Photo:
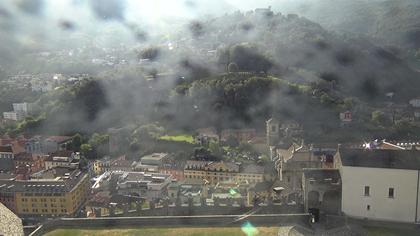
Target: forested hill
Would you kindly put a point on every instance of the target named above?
(263, 64)
(289, 44)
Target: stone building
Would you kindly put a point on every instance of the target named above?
(322, 190)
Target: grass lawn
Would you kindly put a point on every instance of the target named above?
(379, 231)
(228, 231)
(178, 138)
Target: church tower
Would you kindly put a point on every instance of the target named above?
(273, 135)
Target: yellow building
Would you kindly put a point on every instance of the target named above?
(102, 165)
(56, 192)
(215, 172)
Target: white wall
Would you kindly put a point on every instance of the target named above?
(401, 208)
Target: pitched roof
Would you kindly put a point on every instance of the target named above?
(382, 158)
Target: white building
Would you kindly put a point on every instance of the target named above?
(415, 102)
(41, 86)
(150, 186)
(11, 115)
(380, 184)
(62, 159)
(24, 107)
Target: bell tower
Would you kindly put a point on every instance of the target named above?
(272, 130)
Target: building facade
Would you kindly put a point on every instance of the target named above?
(215, 172)
(59, 192)
(6, 158)
(380, 184)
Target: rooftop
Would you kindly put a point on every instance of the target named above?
(381, 158)
(56, 180)
(153, 157)
(252, 168)
(6, 149)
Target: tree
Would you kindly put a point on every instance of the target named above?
(249, 58)
(87, 151)
(379, 118)
(148, 132)
(100, 144)
(151, 53)
(83, 163)
(216, 149)
(76, 142)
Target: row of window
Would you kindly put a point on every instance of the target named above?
(391, 192)
(44, 200)
(43, 194)
(43, 205)
(26, 210)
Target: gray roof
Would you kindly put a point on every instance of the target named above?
(395, 159)
(6, 149)
(252, 168)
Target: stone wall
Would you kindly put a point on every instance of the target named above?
(10, 224)
(174, 221)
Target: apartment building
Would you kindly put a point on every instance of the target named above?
(58, 191)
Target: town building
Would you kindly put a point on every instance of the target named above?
(380, 184)
(173, 167)
(62, 159)
(107, 164)
(291, 161)
(55, 143)
(7, 194)
(242, 135)
(346, 118)
(154, 163)
(20, 111)
(55, 192)
(278, 133)
(322, 191)
(98, 204)
(11, 115)
(155, 159)
(24, 108)
(215, 172)
(151, 186)
(34, 145)
(6, 158)
(103, 165)
(34, 161)
(121, 164)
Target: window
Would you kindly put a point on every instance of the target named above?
(367, 191)
(368, 207)
(273, 128)
(391, 193)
